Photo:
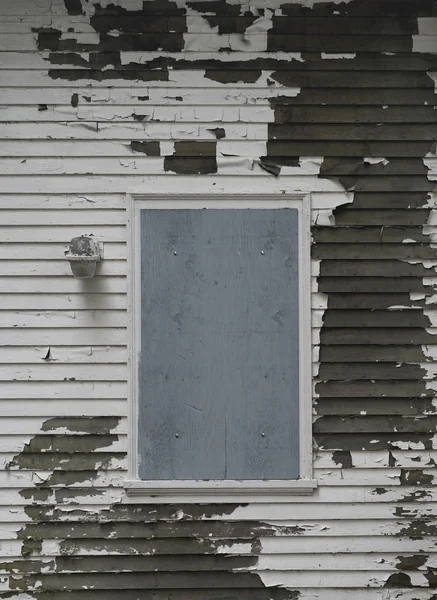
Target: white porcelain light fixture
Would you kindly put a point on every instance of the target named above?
(83, 254)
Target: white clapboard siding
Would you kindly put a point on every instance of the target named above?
(281, 514)
(74, 301)
(50, 7)
(182, 78)
(63, 319)
(132, 130)
(226, 114)
(47, 202)
(67, 168)
(86, 355)
(145, 95)
(102, 497)
(299, 579)
(330, 479)
(133, 164)
(409, 459)
(393, 496)
(113, 443)
(64, 389)
(108, 148)
(193, 41)
(49, 408)
(285, 531)
(80, 23)
(270, 546)
(161, 184)
(54, 372)
(324, 562)
(56, 268)
(63, 201)
(64, 217)
(138, 164)
(53, 251)
(61, 233)
(66, 285)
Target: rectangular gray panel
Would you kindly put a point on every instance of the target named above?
(219, 361)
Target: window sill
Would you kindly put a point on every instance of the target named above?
(190, 491)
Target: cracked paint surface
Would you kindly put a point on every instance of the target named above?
(333, 98)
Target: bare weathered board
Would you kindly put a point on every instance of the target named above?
(219, 344)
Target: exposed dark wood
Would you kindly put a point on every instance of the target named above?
(144, 564)
(365, 371)
(371, 268)
(373, 406)
(343, 43)
(180, 594)
(369, 389)
(370, 354)
(401, 183)
(70, 443)
(358, 97)
(146, 581)
(371, 284)
(365, 424)
(372, 301)
(308, 25)
(370, 441)
(376, 216)
(359, 148)
(183, 530)
(375, 336)
(355, 114)
(363, 235)
(375, 318)
(173, 545)
(386, 166)
(389, 200)
(351, 79)
(343, 132)
(74, 463)
(375, 252)
(322, 26)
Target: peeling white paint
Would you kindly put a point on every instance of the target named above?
(334, 56)
(374, 160)
(400, 307)
(240, 173)
(433, 74)
(237, 548)
(208, 39)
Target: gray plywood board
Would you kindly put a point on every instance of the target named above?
(219, 336)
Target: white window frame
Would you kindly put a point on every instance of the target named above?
(220, 490)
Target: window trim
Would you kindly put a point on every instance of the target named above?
(224, 490)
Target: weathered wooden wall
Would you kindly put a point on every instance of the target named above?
(334, 98)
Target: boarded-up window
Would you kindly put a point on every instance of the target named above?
(219, 367)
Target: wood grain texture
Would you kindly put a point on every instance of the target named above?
(219, 364)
